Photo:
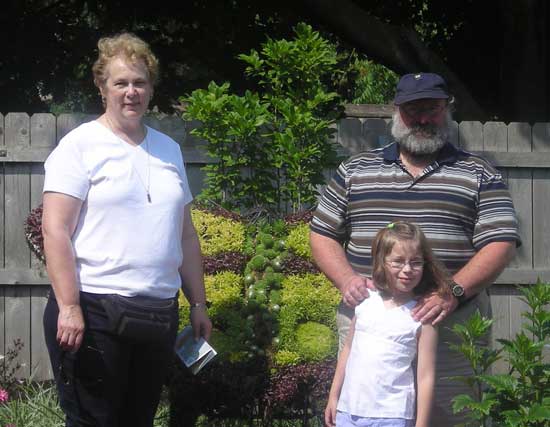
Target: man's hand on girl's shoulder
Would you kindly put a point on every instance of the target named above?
(434, 308)
(356, 289)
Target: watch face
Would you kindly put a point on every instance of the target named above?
(458, 290)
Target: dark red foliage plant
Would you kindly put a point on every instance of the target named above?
(300, 388)
(33, 232)
(294, 264)
(225, 261)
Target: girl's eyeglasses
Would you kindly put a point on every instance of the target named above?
(415, 265)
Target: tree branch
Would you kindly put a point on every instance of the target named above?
(396, 47)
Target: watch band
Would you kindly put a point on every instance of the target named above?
(458, 292)
(198, 305)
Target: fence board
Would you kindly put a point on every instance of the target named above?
(495, 136)
(541, 199)
(375, 134)
(350, 135)
(500, 304)
(43, 134)
(17, 324)
(520, 184)
(17, 193)
(470, 136)
(40, 367)
(67, 122)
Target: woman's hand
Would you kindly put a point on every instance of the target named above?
(70, 327)
(202, 326)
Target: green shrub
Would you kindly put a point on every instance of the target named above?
(315, 342)
(273, 146)
(311, 297)
(298, 241)
(218, 234)
(308, 298)
(521, 397)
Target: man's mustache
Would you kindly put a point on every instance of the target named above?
(426, 129)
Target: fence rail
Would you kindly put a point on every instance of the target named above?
(519, 150)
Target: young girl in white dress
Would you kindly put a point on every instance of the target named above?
(374, 384)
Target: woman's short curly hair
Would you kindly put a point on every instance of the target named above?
(128, 46)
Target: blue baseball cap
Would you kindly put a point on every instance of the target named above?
(420, 86)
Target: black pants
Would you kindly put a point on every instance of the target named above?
(109, 381)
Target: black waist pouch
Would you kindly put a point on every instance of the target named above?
(140, 318)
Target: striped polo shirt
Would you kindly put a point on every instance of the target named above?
(460, 201)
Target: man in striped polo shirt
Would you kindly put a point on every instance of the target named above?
(458, 199)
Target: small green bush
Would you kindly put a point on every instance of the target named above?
(218, 234)
(315, 342)
(307, 298)
(310, 297)
(521, 397)
(298, 241)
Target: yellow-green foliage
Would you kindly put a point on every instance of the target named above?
(218, 234)
(315, 342)
(310, 297)
(286, 357)
(298, 241)
(307, 298)
(223, 292)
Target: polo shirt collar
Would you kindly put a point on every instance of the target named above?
(447, 154)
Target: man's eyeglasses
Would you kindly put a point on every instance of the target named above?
(415, 264)
(416, 111)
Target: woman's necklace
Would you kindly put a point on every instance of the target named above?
(147, 187)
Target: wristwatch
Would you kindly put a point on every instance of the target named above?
(458, 292)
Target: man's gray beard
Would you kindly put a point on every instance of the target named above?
(417, 145)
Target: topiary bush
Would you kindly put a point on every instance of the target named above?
(268, 324)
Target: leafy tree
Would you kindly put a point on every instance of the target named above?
(272, 146)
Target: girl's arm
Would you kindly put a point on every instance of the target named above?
(339, 374)
(427, 350)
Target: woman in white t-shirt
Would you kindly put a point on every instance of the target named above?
(119, 244)
(374, 383)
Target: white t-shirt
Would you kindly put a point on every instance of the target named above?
(123, 243)
(379, 380)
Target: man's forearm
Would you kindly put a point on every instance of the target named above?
(482, 270)
(330, 257)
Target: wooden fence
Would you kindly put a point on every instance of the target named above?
(520, 150)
